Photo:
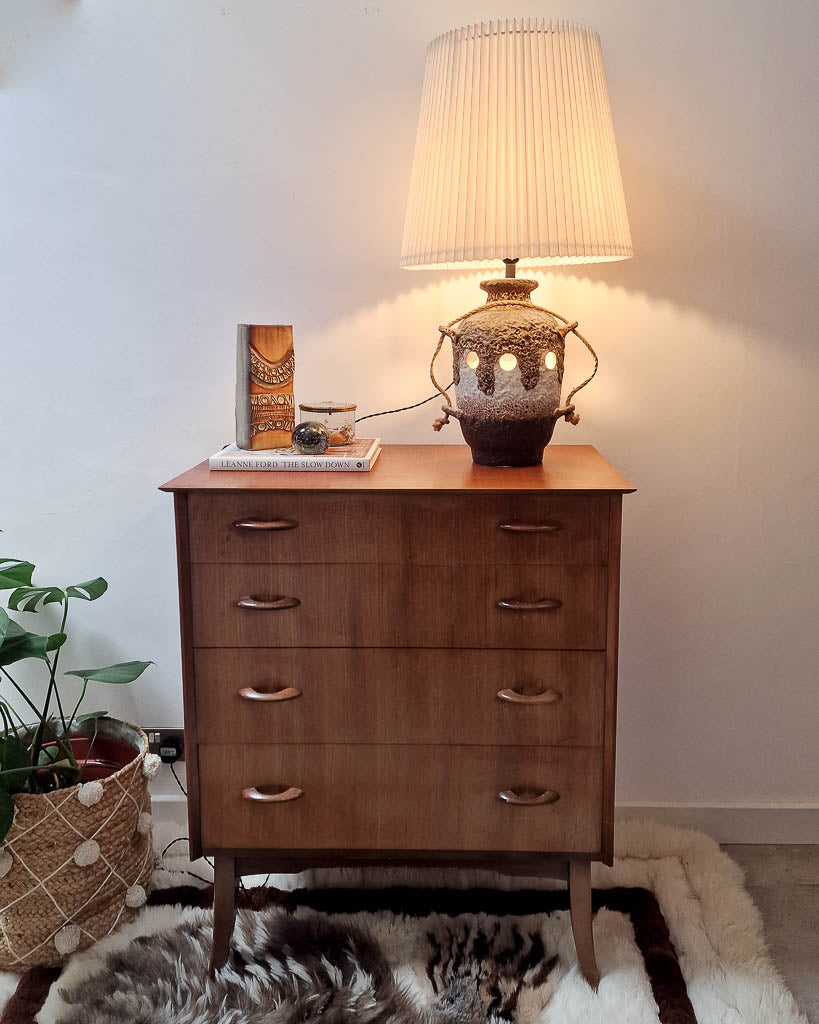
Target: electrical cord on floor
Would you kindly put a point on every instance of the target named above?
(179, 839)
(404, 408)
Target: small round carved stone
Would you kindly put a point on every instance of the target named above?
(311, 438)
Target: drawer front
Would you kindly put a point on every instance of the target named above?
(414, 529)
(398, 606)
(400, 798)
(376, 695)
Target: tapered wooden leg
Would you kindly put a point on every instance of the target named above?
(224, 909)
(581, 911)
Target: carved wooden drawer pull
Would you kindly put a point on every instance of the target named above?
(548, 526)
(528, 799)
(265, 524)
(275, 604)
(514, 604)
(287, 693)
(283, 797)
(544, 697)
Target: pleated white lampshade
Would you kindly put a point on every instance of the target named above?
(515, 154)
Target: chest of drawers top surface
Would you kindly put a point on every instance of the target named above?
(419, 467)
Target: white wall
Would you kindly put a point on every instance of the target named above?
(172, 167)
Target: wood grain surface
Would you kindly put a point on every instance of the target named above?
(379, 695)
(428, 467)
(408, 529)
(400, 797)
(399, 606)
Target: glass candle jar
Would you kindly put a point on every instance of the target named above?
(338, 417)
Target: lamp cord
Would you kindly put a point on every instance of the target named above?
(404, 408)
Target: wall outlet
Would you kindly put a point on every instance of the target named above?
(158, 738)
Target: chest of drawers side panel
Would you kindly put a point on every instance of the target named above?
(180, 501)
(612, 642)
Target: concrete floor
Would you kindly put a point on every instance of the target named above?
(784, 884)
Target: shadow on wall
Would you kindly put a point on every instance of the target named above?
(704, 253)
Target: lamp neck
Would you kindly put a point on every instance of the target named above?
(511, 266)
(502, 289)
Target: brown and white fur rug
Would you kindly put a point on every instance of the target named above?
(678, 940)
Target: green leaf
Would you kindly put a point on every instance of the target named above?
(88, 591)
(14, 573)
(19, 644)
(87, 717)
(126, 672)
(14, 758)
(4, 624)
(55, 640)
(26, 599)
(6, 813)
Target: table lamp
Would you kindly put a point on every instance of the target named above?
(515, 161)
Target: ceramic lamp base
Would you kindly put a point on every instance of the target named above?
(513, 442)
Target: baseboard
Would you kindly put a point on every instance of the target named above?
(735, 823)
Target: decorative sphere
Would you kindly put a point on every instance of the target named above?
(311, 438)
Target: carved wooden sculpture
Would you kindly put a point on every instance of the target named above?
(265, 366)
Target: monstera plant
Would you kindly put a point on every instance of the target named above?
(44, 750)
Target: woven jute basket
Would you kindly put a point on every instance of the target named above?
(77, 862)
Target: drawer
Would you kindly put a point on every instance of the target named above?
(380, 695)
(412, 529)
(401, 798)
(398, 606)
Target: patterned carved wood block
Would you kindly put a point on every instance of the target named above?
(265, 367)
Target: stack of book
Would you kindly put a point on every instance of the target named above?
(358, 457)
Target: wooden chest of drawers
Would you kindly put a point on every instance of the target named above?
(412, 665)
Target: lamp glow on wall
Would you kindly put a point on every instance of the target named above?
(515, 160)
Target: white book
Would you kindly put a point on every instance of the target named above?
(358, 457)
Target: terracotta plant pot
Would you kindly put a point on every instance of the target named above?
(507, 363)
(98, 757)
(77, 862)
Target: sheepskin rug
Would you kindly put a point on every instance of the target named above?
(307, 963)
